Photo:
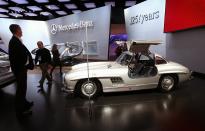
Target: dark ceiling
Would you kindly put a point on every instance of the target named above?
(49, 9)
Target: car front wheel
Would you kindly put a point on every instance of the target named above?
(89, 89)
(167, 83)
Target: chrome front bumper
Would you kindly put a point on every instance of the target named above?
(64, 88)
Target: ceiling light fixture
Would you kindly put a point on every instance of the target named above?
(30, 14)
(45, 13)
(61, 12)
(63, 0)
(52, 7)
(42, 1)
(110, 3)
(3, 2)
(16, 9)
(16, 15)
(130, 3)
(20, 1)
(76, 11)
(71, 6)
(3, 10)
(1, 15)
(34, 8)
(89, 5)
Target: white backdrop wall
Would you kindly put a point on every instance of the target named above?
(33, 31)
(188, 48)
(99, 32)
(185, 47)
(145, 21)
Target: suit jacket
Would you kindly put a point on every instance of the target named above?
(18, 56)
(43, 56)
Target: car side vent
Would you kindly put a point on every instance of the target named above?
(116, 80)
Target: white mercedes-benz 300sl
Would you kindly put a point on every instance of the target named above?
(6, 75)
(135, 69)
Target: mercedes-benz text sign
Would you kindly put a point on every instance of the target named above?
(74, 26)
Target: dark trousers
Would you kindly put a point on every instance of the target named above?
(21, 81)
(54, 66)
(45, 74)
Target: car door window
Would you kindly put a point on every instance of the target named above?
(124, 59)
(144, 67)
(147, 59)
(160, 60)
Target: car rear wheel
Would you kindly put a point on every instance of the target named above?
(167, 83)
(91, 88)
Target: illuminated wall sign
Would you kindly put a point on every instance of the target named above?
(141, 18)
(145, 21)
(74, 26)
(184, 14)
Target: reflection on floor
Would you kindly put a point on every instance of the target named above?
(181, 110)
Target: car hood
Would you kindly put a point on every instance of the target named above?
(96, 69)
(95, 65)
(4, 63)
(172, 67)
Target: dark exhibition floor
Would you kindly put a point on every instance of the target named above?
(150, 110)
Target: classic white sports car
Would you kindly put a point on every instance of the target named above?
(67, 51)
(6, 76)
(3, 56)
(135, 69)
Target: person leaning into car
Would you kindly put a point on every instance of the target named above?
(43, 56)
(56, 59)
(20, 60)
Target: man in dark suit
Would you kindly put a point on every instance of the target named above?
(20, 60)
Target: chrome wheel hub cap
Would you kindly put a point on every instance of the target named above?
(167, 83)
(89, 89)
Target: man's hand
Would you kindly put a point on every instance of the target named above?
(30, 66)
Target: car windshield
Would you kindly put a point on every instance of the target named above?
(2, 53)
(3, 56)
(124, 59)
(146, 59)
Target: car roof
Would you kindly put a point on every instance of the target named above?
(137, 46)
(144, 42)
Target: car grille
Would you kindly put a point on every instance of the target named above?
(116, 80)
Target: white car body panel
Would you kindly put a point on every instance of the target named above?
(6, 75)
(104, 71)
(117, 76)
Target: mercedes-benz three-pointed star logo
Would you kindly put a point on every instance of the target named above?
(54, 29)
